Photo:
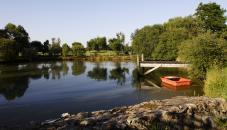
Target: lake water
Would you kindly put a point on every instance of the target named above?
(44, 90)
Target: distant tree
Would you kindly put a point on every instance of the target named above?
(78, 49)
(55, 48)
(65, 49)
(212, 16)
(36, 46)
(97, 44)
(7, 49)
(19, 34)
(203, 52)
(117, 44)
(46, 46)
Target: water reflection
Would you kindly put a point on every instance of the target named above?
(119, 74)
(78, 68)
(98, 73)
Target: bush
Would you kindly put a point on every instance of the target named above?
(216, 83)
(203, 52)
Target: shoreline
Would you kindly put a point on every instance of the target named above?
(176, 113)
(71, 58)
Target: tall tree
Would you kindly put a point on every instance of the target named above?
(36, 46)
(212, 16)
(146, 39)
(117, 44)
(19, 34)
(97, 44)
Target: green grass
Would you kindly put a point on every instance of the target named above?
(216, 83)
(101, 53)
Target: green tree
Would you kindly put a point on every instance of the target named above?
(78, 49)
(203, 52)
(212, 16)
(55, 48)
(117, 44)
(97, 44)
(7, 49)
(146, 39)
(167, 48)
(65, 49)
(19, 34)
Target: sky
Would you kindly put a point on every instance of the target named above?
(81, 20)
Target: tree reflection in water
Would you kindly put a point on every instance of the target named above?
(78, 68)
(15, 79)
(98, 73)
(119, 74)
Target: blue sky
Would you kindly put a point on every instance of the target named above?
(81, 20)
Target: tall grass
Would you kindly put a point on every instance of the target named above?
(216, 83)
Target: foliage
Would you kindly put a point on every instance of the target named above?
(65, 49)
(216, 83)
(211, 16)
(203, 52)
(7, 49)
(46, 46)
(117, 44)
(97, 44)
(19, 34)
(55, 48)
(146, 39)
(36, 46)
(167, 47)
(78, 49)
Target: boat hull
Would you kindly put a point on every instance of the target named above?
(176, 81)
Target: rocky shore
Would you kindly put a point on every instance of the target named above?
(178, 113)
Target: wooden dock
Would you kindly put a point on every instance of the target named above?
(153, 65)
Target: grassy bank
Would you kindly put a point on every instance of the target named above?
(216, 83)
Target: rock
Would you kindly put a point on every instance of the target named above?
(64, 115)
(176, 113)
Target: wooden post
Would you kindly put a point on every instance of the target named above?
(142, 57)
(137, 60)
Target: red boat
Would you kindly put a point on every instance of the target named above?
(175, 81)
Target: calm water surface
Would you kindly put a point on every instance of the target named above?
(40, 91)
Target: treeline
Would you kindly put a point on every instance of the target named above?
(15, 43)
(199, 39)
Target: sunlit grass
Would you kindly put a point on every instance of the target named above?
(216, 83)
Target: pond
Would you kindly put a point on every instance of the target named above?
(44, 90)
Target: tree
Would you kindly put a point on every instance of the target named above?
(65, 49)
(7, 49)
(203, 52)
(55, 48)
(36, 46)
(97, 44)
(46, 46)
(145, 40)
(78, 49)
(211, 16)
(167, 48)
(117, 44)
(19, 34)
